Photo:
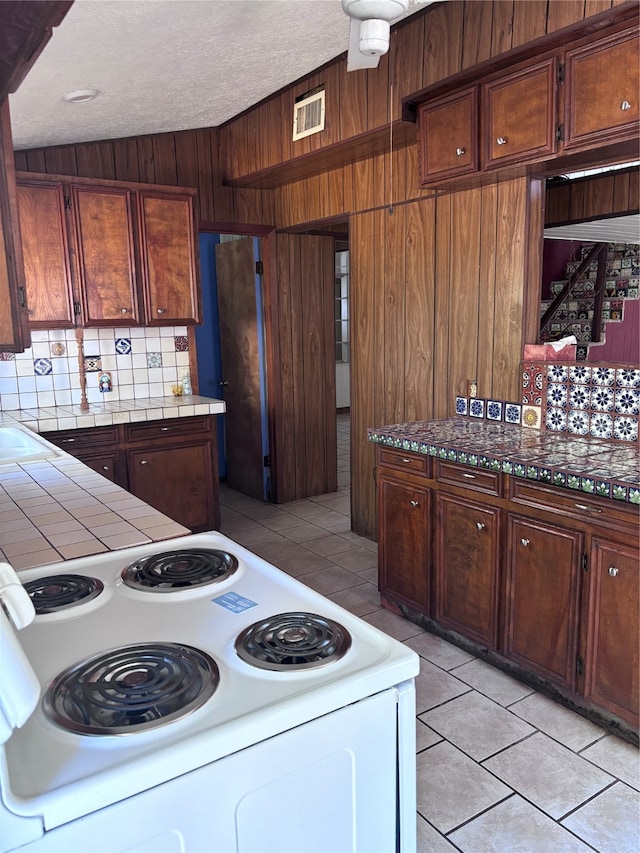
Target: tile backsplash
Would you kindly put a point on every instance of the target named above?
(142, 362)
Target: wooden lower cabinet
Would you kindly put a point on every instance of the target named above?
(612, 660)
(170, 464)
(404, 522)
(467, 548)
(542, 598)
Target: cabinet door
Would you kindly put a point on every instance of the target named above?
(466, 572)
(602, 91)
(168, 253)
(449, 136)
(612, 662)
(521, 115)
(104, 247)
(543, 575)
(46, 255)
(177, 481)
(404, 540)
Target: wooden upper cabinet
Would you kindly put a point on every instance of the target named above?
(602, 91)
(105, 255)
(168, 258)
(448, 130)
(46, 255)
(520, 110)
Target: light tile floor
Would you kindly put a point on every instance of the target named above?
(501, 768)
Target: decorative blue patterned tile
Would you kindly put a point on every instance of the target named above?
(556, 420)
(625, 428)
(442, 452)
(602, 399)
(484, 462)
(557, 394)
(579, 396)
(578, 422)
(512, 413)
(627, 401)
(452, 455)
(154, 359)
(557, 373)
(92, 363)
(462, 406)
(627, 377)
(494, 410)
(476, 408)
(123, 346)
(601, 425)
(42, 366)
(579, 374)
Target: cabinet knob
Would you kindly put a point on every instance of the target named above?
(224, 382)
(161, 310)
(406, 461)
(480, 525)
(124, 310)
(105, 467)
(414, 504)
(625, 105)
(525, 542)
(144, 462)
(460, 151)
(501, 140)
(613, 571)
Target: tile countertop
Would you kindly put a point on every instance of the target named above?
(57, 509)
(54, 418)
(608, 469)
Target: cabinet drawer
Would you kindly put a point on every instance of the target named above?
(401, 460)
(163, 429)
(476, 479)
(76, 440)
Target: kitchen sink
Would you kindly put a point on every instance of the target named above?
(19, 444)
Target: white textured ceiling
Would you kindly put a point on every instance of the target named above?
(164, 65)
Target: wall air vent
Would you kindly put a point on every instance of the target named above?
(308, 113)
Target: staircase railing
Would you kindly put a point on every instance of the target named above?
(597, 252)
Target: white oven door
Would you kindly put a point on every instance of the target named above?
(328, 786)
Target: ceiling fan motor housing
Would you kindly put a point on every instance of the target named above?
(374, 36)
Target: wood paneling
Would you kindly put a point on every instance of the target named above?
(609, 194)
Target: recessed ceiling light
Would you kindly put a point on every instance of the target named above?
(80, 96)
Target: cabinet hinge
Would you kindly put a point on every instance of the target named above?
(560, 133)
(560, 77)
(267, 461)
(585, 562)
(67, 202)
(259, 268)
(76, 308)
(579, 666)
(21, 298)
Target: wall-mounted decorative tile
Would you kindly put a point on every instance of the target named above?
(58, 349)
(578, 422)
(557, 394)
(579, 396)
(557, 373)
(531, 416)
(42, 367)
(581, 353)
(533, 381)
(92, 363)
(494, 410)
(627, 377)
(182, 343)
(579, 374)
(601, 425)
(462, 406)
(7, 356)
(512, 413)
(154, 359)
(625, 428)
(123, 346)
(627, 401)
(476, 408)
(556, 419)
(603, 376)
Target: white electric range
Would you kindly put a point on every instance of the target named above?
(188, 696)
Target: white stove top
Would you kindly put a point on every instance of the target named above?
(62, 775)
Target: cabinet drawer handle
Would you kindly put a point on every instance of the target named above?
(613, 571)
(414, 504)
(406, 461)
(460, 151)
(625, 105)
(469, 476)
(144, 462)
(105, 467)
(588, 508)
(67, 440)
(480, 525)
(164, 429)
(501, 140)
(525, 542)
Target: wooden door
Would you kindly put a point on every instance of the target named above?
(170, 283)
(240, 336)
(613, 637)
(46, 255)
(105, 255)
(404, 541)
(466, 573)
(449, 136)
(542, 598)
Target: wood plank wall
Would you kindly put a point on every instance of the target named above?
(588, 198)
(444, 289)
